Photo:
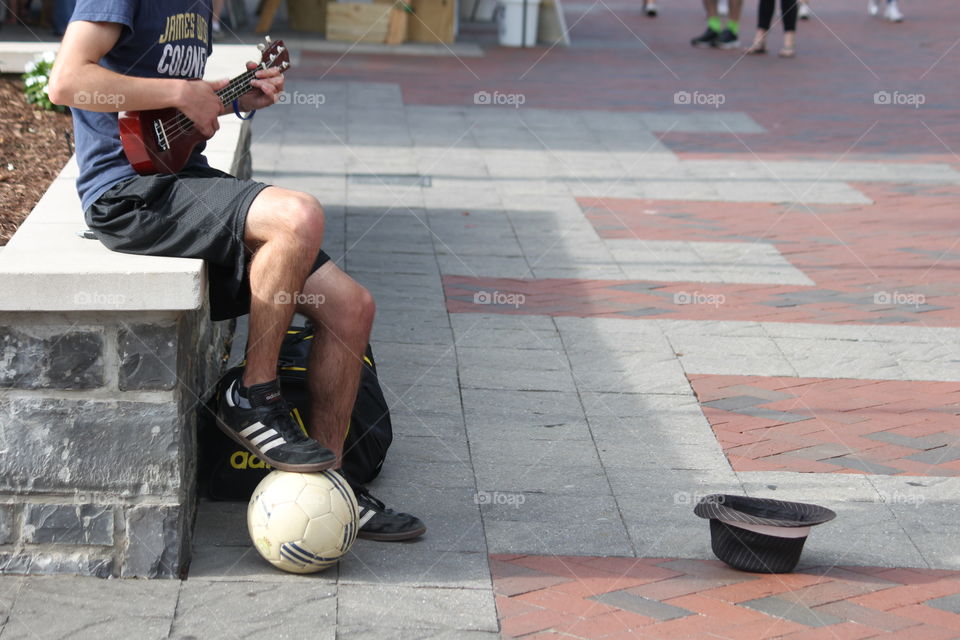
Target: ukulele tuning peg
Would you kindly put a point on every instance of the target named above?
(285, 66)
(281, 49)
(267, 38)
(273, 57)
(261, 47)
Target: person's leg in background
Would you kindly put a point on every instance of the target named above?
(789, 10)
(15, 11)
(716, 35)
(803, 10)
(891, 12)
(764, 19)
(217, 12)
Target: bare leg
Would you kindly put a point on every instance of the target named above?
(285, 228)
(710, 6)
(342, 312)
(735, 7)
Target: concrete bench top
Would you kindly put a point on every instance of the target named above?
(47, 266)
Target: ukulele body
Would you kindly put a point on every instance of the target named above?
(153, 144)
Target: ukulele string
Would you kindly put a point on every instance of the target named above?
(181, 124)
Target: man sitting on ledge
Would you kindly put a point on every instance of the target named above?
(261, 243)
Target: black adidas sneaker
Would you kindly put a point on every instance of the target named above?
(386, 525)
(268, 431)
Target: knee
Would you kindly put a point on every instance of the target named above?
(348, 315)
(303, 220)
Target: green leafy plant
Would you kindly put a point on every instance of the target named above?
(35, 80)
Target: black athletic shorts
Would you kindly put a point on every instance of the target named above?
(199, 213)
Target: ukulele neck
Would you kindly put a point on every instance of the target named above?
(237, 87)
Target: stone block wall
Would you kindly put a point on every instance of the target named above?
(97, 438)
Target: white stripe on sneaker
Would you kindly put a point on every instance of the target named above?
(365, 518)
(276, 442)
(256, 426)
(266, 435)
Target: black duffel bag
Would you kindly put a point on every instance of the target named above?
(229, 472)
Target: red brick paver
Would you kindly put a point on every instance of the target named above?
(834, 426)
(831, 603)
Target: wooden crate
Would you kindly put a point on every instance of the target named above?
(308, 15)
(398, 27)
(432, 21)
(358, 21)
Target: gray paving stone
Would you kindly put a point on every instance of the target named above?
(859, 464)
(930, 523)
(527, 454)
(402, 607)
(946, 603)
(940, 455)
(547, 538)
(793, 611)
(527, 407)
(574, 479)
(242, 564)
(642, 606)
(450, 513)
(228, 610)
(411, 565)
(9, 589)
(731, 355)
(399, 471)
(137, 609)
(539, 507)
(221, 524)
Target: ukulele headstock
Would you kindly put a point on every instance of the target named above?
(275, 54)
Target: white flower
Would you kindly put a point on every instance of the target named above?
(30, 67)
(32, 80)
(48, 56)
(46, 89)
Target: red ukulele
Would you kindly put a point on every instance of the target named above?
(161, 140)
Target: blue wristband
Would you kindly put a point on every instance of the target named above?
(236, 110)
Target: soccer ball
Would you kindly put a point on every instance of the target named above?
(303, 522)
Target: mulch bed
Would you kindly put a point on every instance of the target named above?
(34, 146)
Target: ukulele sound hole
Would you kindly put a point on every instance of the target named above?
(162, 143)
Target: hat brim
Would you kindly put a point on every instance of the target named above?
(762, 511)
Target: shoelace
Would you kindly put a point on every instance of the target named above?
(365, 495)
(284, 424)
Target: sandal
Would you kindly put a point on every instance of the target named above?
(788, 52)
(757, 48)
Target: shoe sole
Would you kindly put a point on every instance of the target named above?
(726, 46)
(282, 466)
(703, 45)
(393, 537)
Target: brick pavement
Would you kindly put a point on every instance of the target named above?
(619, 598)
(834, 425)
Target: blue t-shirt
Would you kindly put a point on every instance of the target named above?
(168, 39)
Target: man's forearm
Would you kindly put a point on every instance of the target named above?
(94, 88)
